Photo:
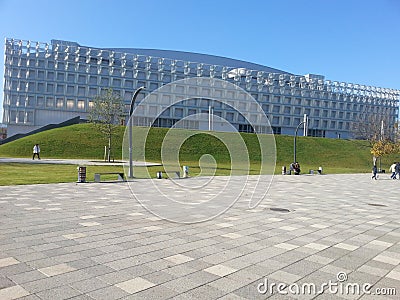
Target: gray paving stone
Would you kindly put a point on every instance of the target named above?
(331, 228)
(63, 292)
(5, 282)
(107, 293)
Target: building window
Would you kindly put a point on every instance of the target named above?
(60, 89)
(276, 130)
(230, 116)
(40, 101)
(49, 102)
(93, 79)
(116, 82)
(81, 79)
(70, 103)
(297, 111)
(92, 91)
(316, 112)
(191, 111)
(60, 76)
(265, 108)
(179, 112)
(287, 110)
(276, 109)
(129, 84)
(50, 88)
(60, 103)
(265, 98)
(71, 77)
(70, 89)
(81, 91)
(81, 104)
(104, 81)
(275, 120)
(286, 121)
(50, 75)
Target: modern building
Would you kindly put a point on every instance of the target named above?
(53, 82)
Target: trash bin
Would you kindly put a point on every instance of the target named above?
(81, 174)
(159, 175)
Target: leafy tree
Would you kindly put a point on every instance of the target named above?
(107, 114)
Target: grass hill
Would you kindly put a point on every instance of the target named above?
(85, 141)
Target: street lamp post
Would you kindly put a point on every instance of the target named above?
(130, 130)
(294, 144)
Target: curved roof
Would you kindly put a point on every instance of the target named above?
(199, 58)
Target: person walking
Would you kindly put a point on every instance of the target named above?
(36, 151)
(374, 171)
(397, 170)
(393, 170)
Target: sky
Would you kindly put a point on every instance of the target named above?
(356, 41)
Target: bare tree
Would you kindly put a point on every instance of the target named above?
(106, 113)
(373, 127)
(378, 130)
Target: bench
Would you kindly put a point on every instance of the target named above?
(121, 176)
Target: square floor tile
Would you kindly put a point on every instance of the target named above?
(135, 285)
(13, 292)
(220, 270)
(8, 261)
(56, 270)
(178, 259)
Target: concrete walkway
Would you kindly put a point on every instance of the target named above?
(95, 241)
(70, 162)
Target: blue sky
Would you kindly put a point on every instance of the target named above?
(354, 41)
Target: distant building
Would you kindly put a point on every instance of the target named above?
(53, 82)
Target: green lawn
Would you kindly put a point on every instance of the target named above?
(83, 141)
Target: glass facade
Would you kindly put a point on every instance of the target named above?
(53, 82)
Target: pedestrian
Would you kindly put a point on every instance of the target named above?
(296, 168)
(374, 171)
(397, 170)
(393, 170)
(36, 151)
(291, 168)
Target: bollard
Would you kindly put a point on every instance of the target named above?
(320, 170)
(283, 170)
(159, 175)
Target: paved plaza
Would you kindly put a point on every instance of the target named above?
(336, 233)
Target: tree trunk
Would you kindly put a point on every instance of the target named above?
(109, 148)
